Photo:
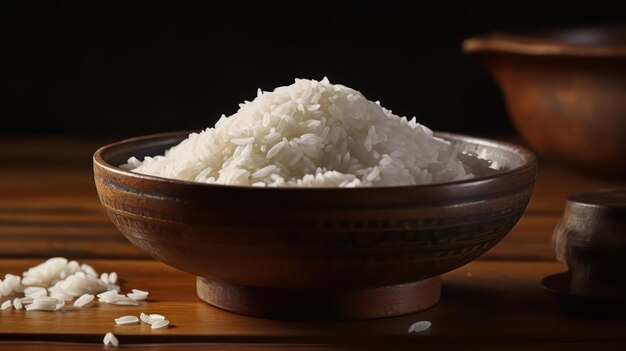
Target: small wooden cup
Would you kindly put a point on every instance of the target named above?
(591, 240)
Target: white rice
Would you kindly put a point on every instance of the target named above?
(152, 318)
(49, 272)
(17, 304)
(156, 317)
(109, 295)
(113, 277)
(78, 284)
(420, 326)
(144, 318)
(83, 300)
(40, 307)
(48, 285)
(89, 270)
(160, 324)
(311, 134)
(26, 300)
(137, 296)
(110, 339)
(126, 320)
(45, 304)
(114, 297)
(35, 291)
(12, 283)
(65, 280)
(125, 301)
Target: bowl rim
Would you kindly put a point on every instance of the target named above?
(524, 44)
(529, 161)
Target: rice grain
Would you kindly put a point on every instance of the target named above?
(137, 296)
(83, 300)
(144, 318)
(17, 304)
(126, 320)
(160, 324)
(420, 326)
(26, 300)
(110, 339)
(156, 317)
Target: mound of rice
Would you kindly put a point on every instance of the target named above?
(311, 134)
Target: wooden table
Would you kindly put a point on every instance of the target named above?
(49, 207)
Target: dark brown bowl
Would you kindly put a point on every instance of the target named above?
(321, 253)
(565, 91)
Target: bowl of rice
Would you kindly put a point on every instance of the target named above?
(312, 202)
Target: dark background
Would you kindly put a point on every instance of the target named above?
(128, 68)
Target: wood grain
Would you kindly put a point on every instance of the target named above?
(49, 206)
(482, 302)
(498, 346)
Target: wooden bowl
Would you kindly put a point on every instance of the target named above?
(565, 91)
(321, 253)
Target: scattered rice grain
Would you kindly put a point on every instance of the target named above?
(110, 339)
(83, 300)
(137, 296)
(26, 300)
(144, 318)
(419, 327)
(17, 304)
(160, 324)
(126, 320)
(125, 301)
(35, 292)
(41, 307)
(157, 317)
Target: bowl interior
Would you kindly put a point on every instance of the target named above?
(607, 36)
(598, 42)
(140, 147)
(503, 156)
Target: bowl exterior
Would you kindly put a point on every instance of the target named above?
(591, 239)
(567, 100)
(313, 238)
(570, 109)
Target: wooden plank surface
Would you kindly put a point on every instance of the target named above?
(49, 207)
(482, 302)
(549, 346)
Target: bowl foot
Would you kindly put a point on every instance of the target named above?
(293, 304)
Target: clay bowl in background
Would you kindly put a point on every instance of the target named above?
(330, 254)
(565, 91)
